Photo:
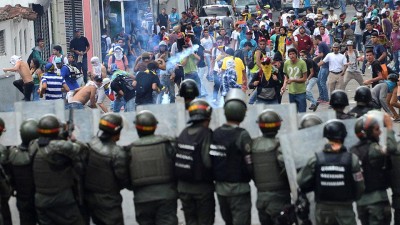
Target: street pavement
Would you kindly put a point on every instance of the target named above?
(128, 206)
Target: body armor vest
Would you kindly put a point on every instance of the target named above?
(395, 173)
(101, 162)
(334, 177)
(150, 163)
(376, 171)
(21, 167)
(227, 159)
(51, 178)
(188, 160)
(268, 175)
(359, 110)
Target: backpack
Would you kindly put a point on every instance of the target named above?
(124, 82)
(74, 72)
(250, 62)
(104, 44)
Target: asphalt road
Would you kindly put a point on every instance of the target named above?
(129, 212)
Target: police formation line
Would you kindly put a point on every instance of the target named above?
(57, 180)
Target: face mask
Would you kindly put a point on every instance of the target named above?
(118, 54)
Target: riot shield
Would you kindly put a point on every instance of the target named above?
(128, 132)
(217, 118)
(351, 138)
(379, 115)
(171, 117)
(297, 148)
(10, 93)
(37, 109)
(324, 115)
(86, 124)
(12, 123)
(288, 112)
(250, 120)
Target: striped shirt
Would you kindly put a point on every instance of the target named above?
(54, 86)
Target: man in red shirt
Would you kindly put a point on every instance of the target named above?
(303, 41)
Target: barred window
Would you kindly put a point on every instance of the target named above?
(2, 43)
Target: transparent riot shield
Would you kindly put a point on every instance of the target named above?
(10, 93)
(250, 120)
(38, 109)
(128, 132)
(86, 124)
(324, 116)
(297, 148)
(351, 138)
(288, 112)
(171, 117)
(12, 123)
(217, 118)
(379, 115)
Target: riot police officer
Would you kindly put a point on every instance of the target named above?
(339, 101)
(189, 91)
(309, 120)
(374, 206)
(53, 173)
(269, 176)
(230, 153)
(335, 177)
(5, 190)
(363, 97)
(107, 173)
(151, 170)
(193, 166)
(21, 173)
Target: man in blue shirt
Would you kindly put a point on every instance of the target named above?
(249, 37)
(66, 74)
(174, 18)
(52, 84)
(323, 50)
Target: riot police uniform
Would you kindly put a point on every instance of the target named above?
(339, 101)
(269, 170)
(193, 166)
(230, 153)
(309, 120)
(5, 189)
(20, 163)
(335, 177)
(189, 91)
(374, 206)
(395, 186)
(363, 98)
(53, 173)
(106, 173)
(151, 171)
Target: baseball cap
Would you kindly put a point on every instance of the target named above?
(349, 43)
(118, 48)
(145, 55)
(106, 81)
(49, 67)
(162, 27)
(335, 45)
(57, 60)
(230, 51)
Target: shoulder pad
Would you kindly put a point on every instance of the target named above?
(150, 140)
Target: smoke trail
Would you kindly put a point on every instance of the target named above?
(176, 59)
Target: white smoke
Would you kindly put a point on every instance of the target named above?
(176, 59)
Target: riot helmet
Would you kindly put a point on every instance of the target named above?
(111, 123)
(49, 126)
(188, 90)
(365, 126)
(146, 123)
(309, 120)
(363, 95)
(269, 122)
(199, 110)
(235, 105)
(335, 130)
(28, 131)
(339, 99)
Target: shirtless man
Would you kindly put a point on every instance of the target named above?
(25, 85)
(85, 94)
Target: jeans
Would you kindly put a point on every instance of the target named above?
(202, 74)
(396, 60)
(322, 78)
(253, 97)
(24, 88)
(208, 64)
(170, 87)
(129, 106)
(35, 94)
(300, 100)
(194, 76)
(296, 12)
(343, 5)
(309, 96)
(217, 85)
(358, 42)
(75, 105)
(83, 66)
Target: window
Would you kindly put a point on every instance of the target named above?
(2, 43)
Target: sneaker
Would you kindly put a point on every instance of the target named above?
(315, 107)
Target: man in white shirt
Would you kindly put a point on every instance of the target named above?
(285, 23)
(332, 17)
(337, 68)
(207, 42)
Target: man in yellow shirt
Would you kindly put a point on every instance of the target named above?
(239, 68)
